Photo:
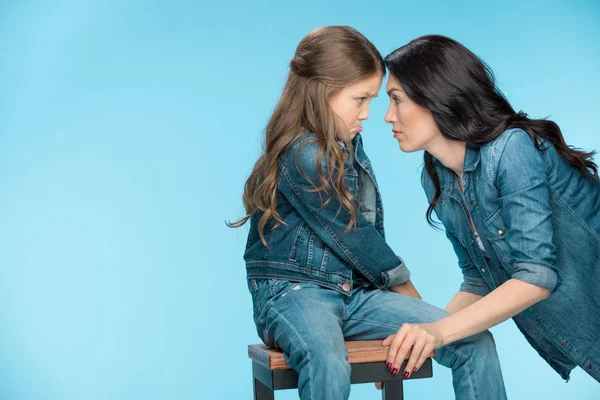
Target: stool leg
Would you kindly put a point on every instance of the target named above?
(261, 392)
(392, 390)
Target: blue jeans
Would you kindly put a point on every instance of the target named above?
(310, 324)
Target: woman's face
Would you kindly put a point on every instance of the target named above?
(351, 104)
(413, 126)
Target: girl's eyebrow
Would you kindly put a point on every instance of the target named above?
(366, 94)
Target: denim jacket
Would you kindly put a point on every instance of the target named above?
(311, 245)
(539, 222)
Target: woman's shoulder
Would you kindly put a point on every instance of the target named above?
(512, 150)
(512, 136)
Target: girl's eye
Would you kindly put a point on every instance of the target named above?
(360, 100)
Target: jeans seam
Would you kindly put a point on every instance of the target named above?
(468, 365)
(375, 323)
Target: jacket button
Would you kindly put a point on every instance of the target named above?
(346, 287)
(482, 269)
(500, 231)
(472, 202)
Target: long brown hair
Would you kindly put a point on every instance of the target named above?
(459, 89)
(326, 60)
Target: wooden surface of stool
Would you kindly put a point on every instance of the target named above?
(367, 361)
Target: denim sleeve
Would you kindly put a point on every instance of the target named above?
(472, 280)
(363, 247)
(525, 202)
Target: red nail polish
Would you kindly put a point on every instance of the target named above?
(415, 369)
(395, 371)
(388, 365)
(405, 374)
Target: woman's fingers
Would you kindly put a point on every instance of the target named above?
(417, 349)
(395, 344)
(429, 347)
(388, 340)
(403, 345)
(413, 343)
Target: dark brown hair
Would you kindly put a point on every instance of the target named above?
(459, 89)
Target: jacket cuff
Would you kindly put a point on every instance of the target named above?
(475, 285)
(396, 276)
(536, 274)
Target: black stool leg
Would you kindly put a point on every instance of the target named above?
(261, 392)
(393, 390)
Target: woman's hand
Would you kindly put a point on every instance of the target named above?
(415, 341)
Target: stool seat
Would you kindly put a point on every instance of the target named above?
(362, 351)
(367, 359)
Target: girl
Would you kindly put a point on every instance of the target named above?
(520, 207)
(317, 263)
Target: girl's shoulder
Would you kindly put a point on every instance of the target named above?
(303, 150)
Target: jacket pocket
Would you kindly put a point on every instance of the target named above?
(495, 231)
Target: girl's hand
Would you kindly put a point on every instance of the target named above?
(417, 340)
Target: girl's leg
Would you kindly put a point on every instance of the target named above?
(376, 314)
(305, 321)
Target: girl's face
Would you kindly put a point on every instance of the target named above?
(351, 104)
(413, 126)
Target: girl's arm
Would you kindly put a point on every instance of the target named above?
(363, 247)
(407, 289)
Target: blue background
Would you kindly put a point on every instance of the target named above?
(127, 130)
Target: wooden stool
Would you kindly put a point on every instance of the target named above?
(367, 360)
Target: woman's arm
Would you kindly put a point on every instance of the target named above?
(462, 300)
(524, 196)
(502, 303)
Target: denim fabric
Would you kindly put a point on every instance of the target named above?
(539, 222)
(312, 245)
(310, 324)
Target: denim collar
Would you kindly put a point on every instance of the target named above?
(472, 157)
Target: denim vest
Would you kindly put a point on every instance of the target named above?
(312, 245)
(539, 222)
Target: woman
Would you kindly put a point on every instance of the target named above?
(520, 207)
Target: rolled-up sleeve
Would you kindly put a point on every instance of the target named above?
(522, 180)
(398, 275)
